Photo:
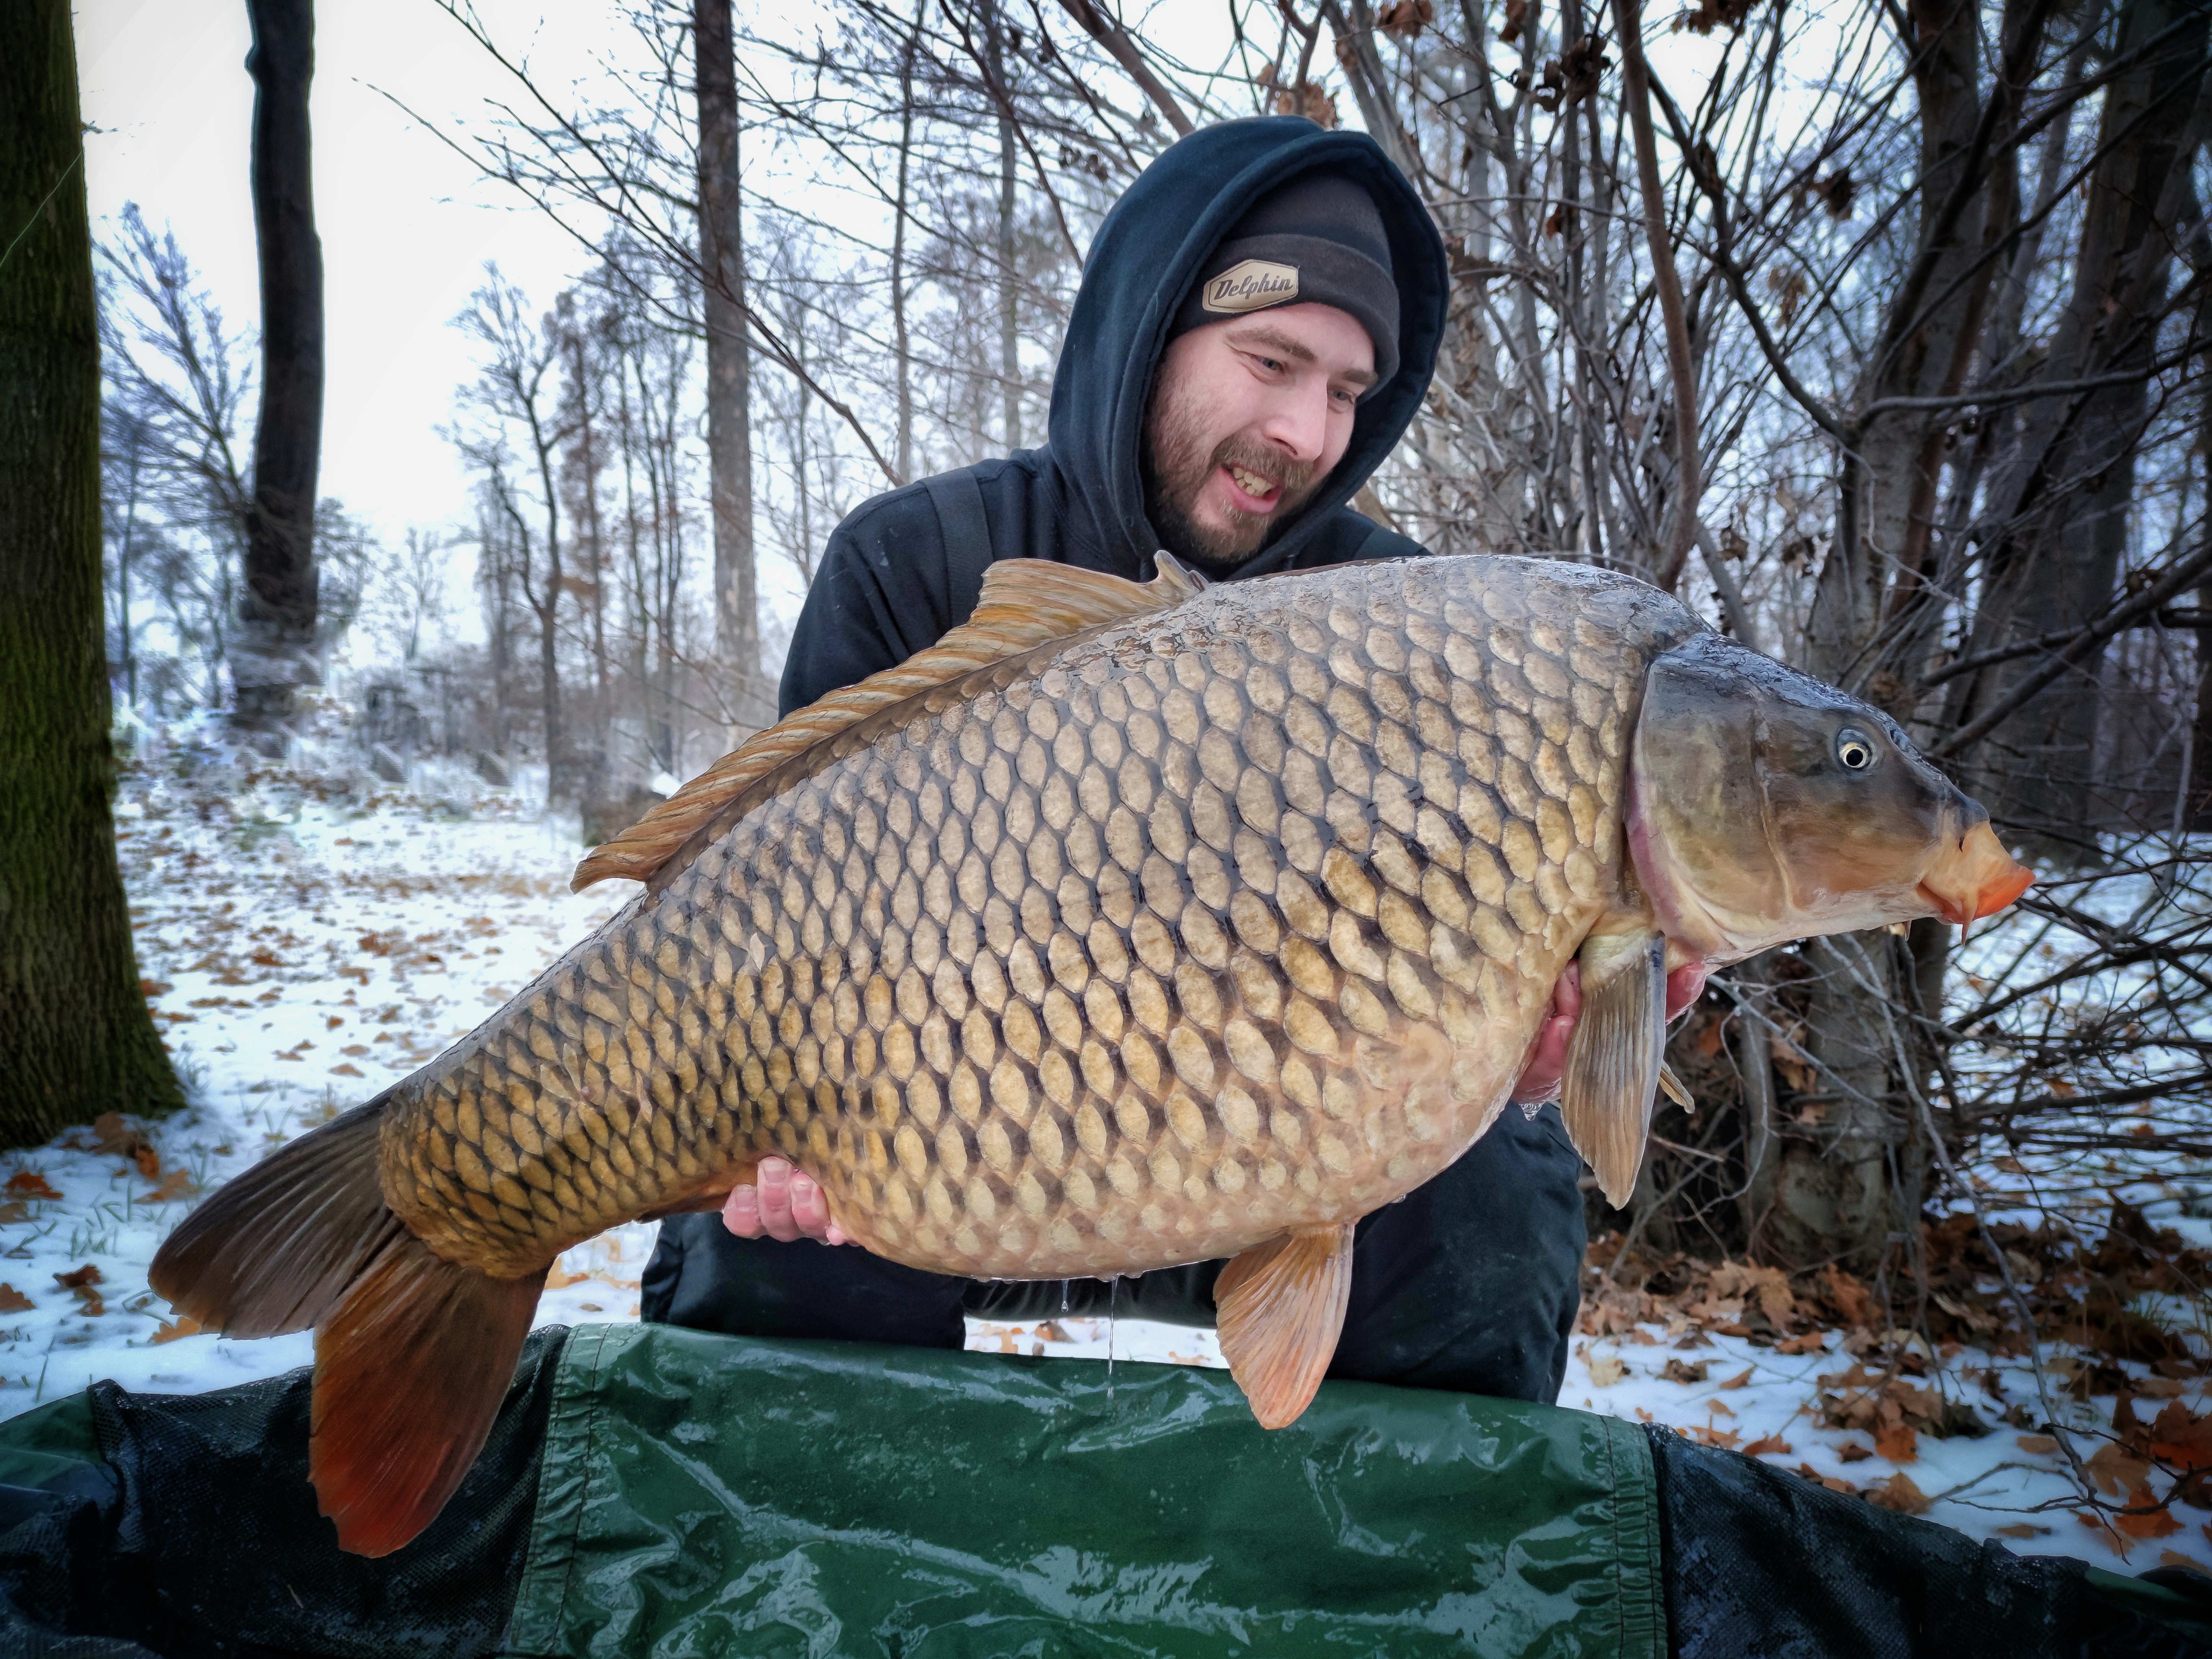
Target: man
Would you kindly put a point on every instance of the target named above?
(1256, 326)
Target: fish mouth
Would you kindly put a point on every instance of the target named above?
(1974, 877)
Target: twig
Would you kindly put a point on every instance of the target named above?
(2150, 600)
(1112, 36)
(1636, 77)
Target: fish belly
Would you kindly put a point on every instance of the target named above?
(1142, 951)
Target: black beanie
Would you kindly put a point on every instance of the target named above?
(1316, 240)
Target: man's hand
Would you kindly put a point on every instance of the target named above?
(1547, 1063)
(787, 1204)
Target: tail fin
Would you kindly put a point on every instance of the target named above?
(275, 1249)
(409, 1372)
(413, 1354)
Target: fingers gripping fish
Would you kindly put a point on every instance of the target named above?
(1129, 926)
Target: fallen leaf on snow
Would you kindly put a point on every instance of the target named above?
(29, 1183)
(2178, 1436)
(115, 1137)
(2114, 1470)
(14, 1301)
(178, 1183)
(1678, 1370)
(185, 1324)
(1739, 1379)
(2146, 1517)
(1772, 1445)
(1605, 1369)
(1899, 1493)
(1900, 1443)
(2041, 1444)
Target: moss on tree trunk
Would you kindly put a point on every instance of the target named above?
(75, 1036)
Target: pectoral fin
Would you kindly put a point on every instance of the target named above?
(1280, 1307)
(1674, 1089)
(1616, 1058)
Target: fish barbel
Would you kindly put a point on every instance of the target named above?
(1130, 926)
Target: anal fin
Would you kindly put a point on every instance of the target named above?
(1279, 1309)
(411, 1367)
(1616, 1058)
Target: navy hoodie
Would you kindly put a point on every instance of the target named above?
(893, 581)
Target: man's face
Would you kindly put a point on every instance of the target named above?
(1248, 415)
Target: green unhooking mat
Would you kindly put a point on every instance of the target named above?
(650, 1491)
(720, 1496)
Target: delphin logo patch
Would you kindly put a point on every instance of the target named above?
(1251, 285)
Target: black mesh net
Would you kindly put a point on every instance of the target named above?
(204, 1540)
(1766, 1564)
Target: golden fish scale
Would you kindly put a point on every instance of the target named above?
(1138, 951)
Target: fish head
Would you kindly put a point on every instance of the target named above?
(1766, 806)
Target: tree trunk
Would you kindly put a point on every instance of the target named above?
(274, 651)
(75, 1037)
(1010, 355)
(902, 347)
(2062, 501)
(1849, 1174)
(729, 374)
(1931, 329)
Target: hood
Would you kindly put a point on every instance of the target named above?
(1147, 255)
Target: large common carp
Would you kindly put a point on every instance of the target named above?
(1129, 926)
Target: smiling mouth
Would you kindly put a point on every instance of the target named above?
(1256, 485)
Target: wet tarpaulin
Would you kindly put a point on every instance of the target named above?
(656, 1491)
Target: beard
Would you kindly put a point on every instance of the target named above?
(1180, 462)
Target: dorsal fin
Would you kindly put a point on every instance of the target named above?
(1025, 604)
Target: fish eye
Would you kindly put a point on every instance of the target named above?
(1853, 750)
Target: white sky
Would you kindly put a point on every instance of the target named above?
(405, 225)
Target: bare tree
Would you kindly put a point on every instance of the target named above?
(729, 397)
(513, 445)
(274, 649)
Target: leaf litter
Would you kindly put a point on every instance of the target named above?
(1936, 1378)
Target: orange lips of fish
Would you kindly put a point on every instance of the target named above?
(1977, 879)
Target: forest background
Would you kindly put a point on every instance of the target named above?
(1876, 331)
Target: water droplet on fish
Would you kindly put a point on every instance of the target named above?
(1112, 1301)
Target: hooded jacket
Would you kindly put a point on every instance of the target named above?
(905, 567)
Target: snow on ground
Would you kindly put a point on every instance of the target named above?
(308, 937)
(2010, 1484)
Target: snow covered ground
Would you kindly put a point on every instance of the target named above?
(307, 936)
